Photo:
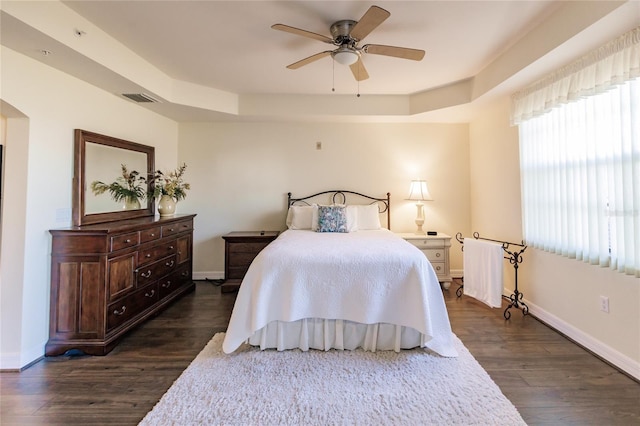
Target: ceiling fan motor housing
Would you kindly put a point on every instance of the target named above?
(341, 30)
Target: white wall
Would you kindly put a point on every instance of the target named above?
(241, 173)
(55, 104)
(563, 292)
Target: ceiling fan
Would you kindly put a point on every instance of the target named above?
(346, 34)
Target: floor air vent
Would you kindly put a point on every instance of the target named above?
(139, 97)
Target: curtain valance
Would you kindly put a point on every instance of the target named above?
(614, 63)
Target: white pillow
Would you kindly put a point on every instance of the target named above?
(352, 218)
(314, 217)
(368, 217)
(301, 217)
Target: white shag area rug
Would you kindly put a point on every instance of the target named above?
(253, 387)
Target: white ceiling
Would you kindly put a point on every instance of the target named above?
(229, 45)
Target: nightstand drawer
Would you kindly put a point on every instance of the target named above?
(424, 243)
(434, 255)
(246, 248)
(439, 267)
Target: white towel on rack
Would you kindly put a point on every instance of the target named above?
(483, 269)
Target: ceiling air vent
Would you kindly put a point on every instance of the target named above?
(139, 97)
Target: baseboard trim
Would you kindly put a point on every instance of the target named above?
(211, 275)
(609, 355)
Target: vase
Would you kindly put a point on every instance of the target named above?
(131, 204)
(166, 206)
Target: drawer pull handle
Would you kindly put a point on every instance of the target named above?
(169, 264)
(185, 274)
(148, 255)
(166, 285)
(147, 275)
(120, 312)
(437, 268)
(153, 235)
(437, 254)
(127, 241)
(150, 294)
(171, 229)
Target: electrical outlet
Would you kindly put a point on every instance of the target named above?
(604, 304)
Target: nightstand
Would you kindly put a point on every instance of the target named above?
(240, 248)
(436, 248)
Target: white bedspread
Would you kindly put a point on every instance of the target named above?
(366, 276)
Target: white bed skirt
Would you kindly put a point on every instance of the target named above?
(325, 334)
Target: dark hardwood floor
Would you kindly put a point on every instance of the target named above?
(549, 379)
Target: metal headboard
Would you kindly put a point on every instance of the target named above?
(339, 196)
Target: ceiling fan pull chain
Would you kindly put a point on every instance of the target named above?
(358, 95)
(333, 76)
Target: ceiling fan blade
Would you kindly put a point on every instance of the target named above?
(308, 60)
(398, 52)
(359, 71)
(303, 33)
(369, 21)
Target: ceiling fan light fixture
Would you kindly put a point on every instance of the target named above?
(345, 56)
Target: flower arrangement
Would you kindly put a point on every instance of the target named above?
(171, 184)
(130, 187)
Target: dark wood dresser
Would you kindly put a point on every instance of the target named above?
(240, 248)
(107, 278)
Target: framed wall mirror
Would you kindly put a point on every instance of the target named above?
(105, 168)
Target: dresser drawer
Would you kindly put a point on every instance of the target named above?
(176, 228)
(151, 234)
(154, 253)
(156, 270)
(119, 242)
(126, 308)
(174, 281)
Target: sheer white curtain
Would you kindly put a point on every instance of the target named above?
(580, 159)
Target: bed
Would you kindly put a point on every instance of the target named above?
(336, 279)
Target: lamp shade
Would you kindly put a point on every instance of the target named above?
(418, 191)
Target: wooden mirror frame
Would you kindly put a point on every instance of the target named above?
(79, 216)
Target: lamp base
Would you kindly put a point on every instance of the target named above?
(420, 218)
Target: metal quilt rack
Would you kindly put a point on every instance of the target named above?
(515, 258)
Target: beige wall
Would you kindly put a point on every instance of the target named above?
(39, 159)
(562, 292)
(241, 172)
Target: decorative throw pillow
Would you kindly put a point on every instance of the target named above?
(332, 219)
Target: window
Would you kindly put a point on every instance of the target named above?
(580, 158)
(580, 172)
